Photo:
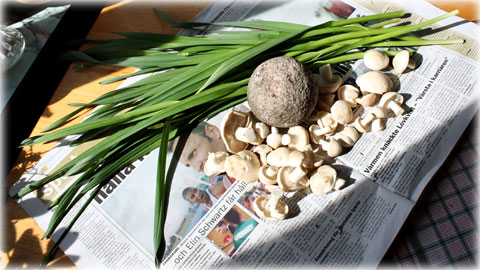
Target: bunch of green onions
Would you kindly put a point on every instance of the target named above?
(201, 76)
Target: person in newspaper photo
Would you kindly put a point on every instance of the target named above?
(204, 138)
(232, 230)
(207, 197)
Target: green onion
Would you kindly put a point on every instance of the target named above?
(199, 76)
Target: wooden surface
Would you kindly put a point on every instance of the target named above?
(22, 246)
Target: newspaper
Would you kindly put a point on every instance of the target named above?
(385, 172)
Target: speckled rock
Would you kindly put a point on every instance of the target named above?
(282, 92)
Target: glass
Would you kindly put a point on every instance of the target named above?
(12, 46)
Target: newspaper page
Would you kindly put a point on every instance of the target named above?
(441, 97)
(211, 222)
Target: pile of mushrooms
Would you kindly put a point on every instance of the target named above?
(298, 157)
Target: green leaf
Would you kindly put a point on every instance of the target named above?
(161, 194)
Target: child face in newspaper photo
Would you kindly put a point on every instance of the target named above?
(195, 195)
(234, 228)
(205, 138)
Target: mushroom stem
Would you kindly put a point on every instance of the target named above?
(368, 119)
(271, 171)
(275, 196)
(339, 184)
(297, 174)
(322, 131)
(396, 108)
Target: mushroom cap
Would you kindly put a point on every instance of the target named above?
(299, 136)
(323, 179)
(374, 82)
(377, 125)
(287, 184)
(215, 163)
(282, 92)
(400, 61)
(265, 178)
(278, 157)
(231, 121)
(347, 136)
(295, 158)
(376, 60)
(367, 100)
(342, 112)
(325, 101)
(262, 149)
(348, 93)
(334, 148)
(378, 112)
(261, 208)
(248, 135)
(274, 140)
(328, 87)
(243, 166)
(390, 96)
(262, 129)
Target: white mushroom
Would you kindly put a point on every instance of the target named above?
(327, 123)
(268, 174)
(296, 138)
(325, 102)
(327, 82)
(243, 166)
(376, 60)
(316, 133)
(270, 207)
(262, 150)
(363, 124)
(347, 136)
(333, 147)
(215, 163)
(262, 130)
(374, 82)
(392, 101)
(247, 135)
(339, 184)
(349, 94)
(230, 123)
(401, 61)
(311, 160)
(274, 139)
(367, 100)
(342, 112)
(377, 125)
(278, 157)
(290, 181)
(322, 180)
(295, 158)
